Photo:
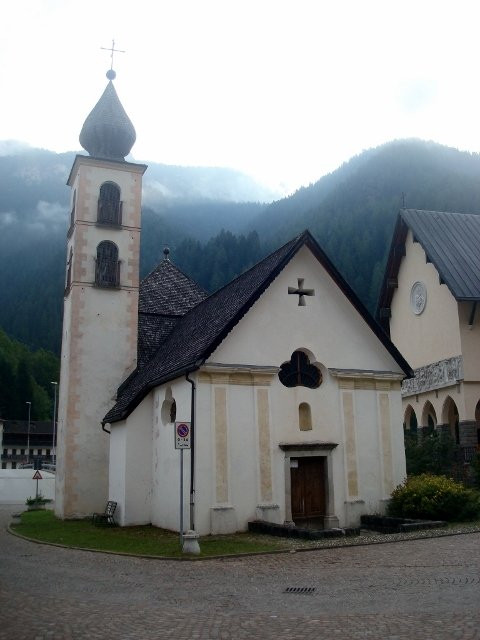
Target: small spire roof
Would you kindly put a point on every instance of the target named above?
(108, 132)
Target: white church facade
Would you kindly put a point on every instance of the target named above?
(291, 389)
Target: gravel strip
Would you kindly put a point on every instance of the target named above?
(368, 537)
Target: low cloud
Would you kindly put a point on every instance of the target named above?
(51, 211)
(13, 147)
(154, 192)
(7, 218)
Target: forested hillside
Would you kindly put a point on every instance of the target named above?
(351, 212)
(179, 202)
(26, 376)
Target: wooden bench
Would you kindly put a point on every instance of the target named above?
(106, 518)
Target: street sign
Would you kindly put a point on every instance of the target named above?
(182, 435)
(37, 476)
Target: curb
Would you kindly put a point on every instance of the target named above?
(432, 534)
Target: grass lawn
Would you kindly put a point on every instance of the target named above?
(145, 540)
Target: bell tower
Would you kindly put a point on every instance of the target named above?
(99, 340)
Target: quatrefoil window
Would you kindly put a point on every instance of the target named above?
(298, 372)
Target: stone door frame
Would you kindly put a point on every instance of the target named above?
(309, 450)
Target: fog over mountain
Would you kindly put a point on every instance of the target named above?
(213, 231)
(34, 214)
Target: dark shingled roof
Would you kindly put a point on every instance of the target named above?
(451, 241)
(198, 333)
(168, 291)
(166, 294)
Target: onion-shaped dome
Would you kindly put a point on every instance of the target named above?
(108, 132)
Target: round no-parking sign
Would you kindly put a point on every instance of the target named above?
(182, 435)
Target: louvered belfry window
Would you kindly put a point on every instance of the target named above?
(109, 205)
(107, 266)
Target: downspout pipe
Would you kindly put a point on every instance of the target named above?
(192, 452)
(104, 428)
(471, 320)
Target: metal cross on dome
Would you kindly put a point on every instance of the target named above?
(301, 292)
(112, 51)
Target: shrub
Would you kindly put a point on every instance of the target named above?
(475, 464)
(38, 500)
(434, 453)
(434, 498)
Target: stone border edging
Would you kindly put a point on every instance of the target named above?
(432, 533)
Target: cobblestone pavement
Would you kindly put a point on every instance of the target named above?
(421, 590)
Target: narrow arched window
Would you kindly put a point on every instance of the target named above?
(298, 372)
(304, 416)
(72, 214)
(109, 205)
(69, 271)
(107, 266)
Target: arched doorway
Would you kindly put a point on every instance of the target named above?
(450, 418)
(477, 420)
(429, 417)
(410, 420)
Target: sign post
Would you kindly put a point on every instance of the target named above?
(37, 476)
(182, 441)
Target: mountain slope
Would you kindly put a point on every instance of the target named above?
(351, 212)
(179, 202)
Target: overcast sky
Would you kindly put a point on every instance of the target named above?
(283, 90)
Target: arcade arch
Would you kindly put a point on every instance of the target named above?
(429, 417)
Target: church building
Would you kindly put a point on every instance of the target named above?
(290, 389)
(429, 303)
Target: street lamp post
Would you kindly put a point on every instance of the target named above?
(28, 431)
(54, 449)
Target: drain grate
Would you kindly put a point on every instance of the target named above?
(299, 590)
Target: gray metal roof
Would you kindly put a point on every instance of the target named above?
(108, 132)
(451, 242)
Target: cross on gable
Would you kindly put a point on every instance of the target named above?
(301, 292)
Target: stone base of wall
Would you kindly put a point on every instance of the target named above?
(468, 433)
(287, 531)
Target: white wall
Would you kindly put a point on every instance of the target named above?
(229, 490)
(411, 333)
(166, 459)
(117, 469)
(16, 485)
(328, 325)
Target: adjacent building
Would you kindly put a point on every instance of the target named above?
(23, 443)
(430, 305)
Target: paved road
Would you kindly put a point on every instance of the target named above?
(420, 590)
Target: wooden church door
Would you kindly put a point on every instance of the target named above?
(308, 489)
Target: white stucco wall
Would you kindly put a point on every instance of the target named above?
(243, 413)
(16, 485)
(434, 334)
(328, 325)
(130, 468)
(166, 459)
(117, 477)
